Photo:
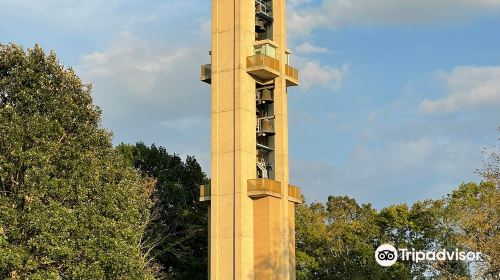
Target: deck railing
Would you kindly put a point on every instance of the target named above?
(264, 185)
(260, 60)
(291, 72)
(294, 192)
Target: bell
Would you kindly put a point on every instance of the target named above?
(266, 96)
(260, 26)
(266, 126)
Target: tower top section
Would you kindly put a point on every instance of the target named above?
(266, 54)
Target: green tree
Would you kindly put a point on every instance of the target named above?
(337, 240)
(490, 169)
(423, 227)
(179, 228)
(474, 211)
(474, 214)
(311, 239)
(70, 206)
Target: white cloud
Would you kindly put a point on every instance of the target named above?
(134, 74)
(308, 48)
(313, 73)
(300, 23)
(335, 13)
(469, 88)
(399, 171)
(411, 152)
(149, 90)
(132, 62)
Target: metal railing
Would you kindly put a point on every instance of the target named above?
(260, 60)
(263, 7)
(291, 72)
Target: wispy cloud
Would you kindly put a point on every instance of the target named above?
(308, 48)
(150, 91)
(132, 61)
(134, 77)
(315, 74)
(470, 88)
(399, 171)
(303, 17)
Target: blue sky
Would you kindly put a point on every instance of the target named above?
(397, 98)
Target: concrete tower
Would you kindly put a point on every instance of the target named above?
(251, 203)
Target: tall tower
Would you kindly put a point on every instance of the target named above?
(251, 203)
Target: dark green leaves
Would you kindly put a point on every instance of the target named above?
(70, 206)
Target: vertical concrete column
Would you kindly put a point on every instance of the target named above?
(281, 138)
(233, 141)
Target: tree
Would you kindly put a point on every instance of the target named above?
(70, 206)
(179, 228)
(422, 227)
(490, 169)
(474, 211)
(338, 240)
(311, 239)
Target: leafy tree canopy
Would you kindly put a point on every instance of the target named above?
(338, 240)
(474, 211)
(178, 229)
(70, 206)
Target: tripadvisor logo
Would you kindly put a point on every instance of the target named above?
(387, 255)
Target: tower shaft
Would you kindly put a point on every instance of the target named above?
(251, 204)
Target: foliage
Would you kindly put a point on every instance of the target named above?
(70, 206)
(475, 211)
(179, 227)
(338, 240)
(490, 169)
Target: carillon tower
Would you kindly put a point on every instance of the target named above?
(251, 203)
